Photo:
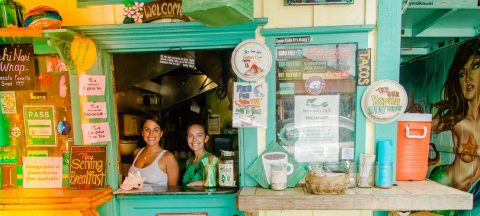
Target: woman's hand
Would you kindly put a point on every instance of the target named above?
(196, 183)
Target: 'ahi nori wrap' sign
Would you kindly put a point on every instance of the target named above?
(17, 69)
(87, 167)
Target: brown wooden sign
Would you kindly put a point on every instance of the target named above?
(364, 67)
(87, 167)
(163, 9)
(17, 69)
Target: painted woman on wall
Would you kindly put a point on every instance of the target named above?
(459, 112)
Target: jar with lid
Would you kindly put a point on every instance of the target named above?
(227, 169)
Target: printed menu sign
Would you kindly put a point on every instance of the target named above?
(95, 110)
(316, 123)
(42, 172)
(87, 167)
(96, 132)
(17, 69)
(39, 125)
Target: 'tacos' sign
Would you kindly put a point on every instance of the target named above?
(163, 9)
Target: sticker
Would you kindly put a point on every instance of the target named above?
(251, 60)
(384, 101)
(314, 85)
(286, 88)
(15, 131)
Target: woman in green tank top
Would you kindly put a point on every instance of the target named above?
(196, 138)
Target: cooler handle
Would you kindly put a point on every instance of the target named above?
(425, 130)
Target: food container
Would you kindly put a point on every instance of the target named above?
(127, 147)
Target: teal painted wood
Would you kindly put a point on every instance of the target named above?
(168, 36)
(248, 154)
(319, 35)
(84, 3)
(388, 60)
(213, 204)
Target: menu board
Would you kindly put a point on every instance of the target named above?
(17, 69)
(87, 167)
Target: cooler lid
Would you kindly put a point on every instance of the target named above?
(416, 117)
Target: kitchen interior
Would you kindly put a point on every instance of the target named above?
(178, 86)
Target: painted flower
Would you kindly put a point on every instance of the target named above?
(138, 6)
(127, 11)
(137, 17)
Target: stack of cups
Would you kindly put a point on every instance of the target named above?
(384, 176)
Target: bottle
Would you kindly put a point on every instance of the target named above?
(227, 175)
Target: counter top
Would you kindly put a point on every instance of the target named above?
(175, 190)
(85, 201)
(407, 195)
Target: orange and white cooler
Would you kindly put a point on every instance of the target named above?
(413, 145)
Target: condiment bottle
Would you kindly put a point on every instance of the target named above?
(227, 169)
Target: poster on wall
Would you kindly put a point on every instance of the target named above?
(8, 155)
(87, 167)
(42, 172)
(329, 61)
(8, 102)
(17, 67)
(316, 121)
(249, 104)
(314, 2)
(39, 125)
(96, 132)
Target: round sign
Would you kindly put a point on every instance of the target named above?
(15, 131)
(314, 85)
(384, 101)
(83, 53)
(251, 60)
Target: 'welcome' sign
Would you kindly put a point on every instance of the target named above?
(87, 167)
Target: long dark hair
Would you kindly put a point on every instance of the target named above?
(157, 120)
(453, 108)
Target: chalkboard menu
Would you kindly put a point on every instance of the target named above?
(87, 167)
(17, 69)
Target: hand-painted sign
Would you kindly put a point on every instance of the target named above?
(251, 60)
(39, 125)
(364, 69)
(87, 167)
(384, 101)
(91, 85)
(250, 104)
(42, 172)
(96, 132)
(95, 110)
(161, 9)
(17, 67)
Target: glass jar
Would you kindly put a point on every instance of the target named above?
(227, 169)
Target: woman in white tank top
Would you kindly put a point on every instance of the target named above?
(157, 165)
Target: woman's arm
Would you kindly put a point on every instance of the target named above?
(172, 169)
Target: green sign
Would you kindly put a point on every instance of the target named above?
(39, 125)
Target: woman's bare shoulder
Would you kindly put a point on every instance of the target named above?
(136, 151)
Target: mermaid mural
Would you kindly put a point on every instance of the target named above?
(458, 112)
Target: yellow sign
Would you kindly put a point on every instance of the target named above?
(83, 53)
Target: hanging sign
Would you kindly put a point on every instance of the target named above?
(384, 101)
(178, 61)
(91, 85)
(83, 52)
(8, 102)
(17, 67)
(42, 172)
(161, 9)
(251, 60)
(87, 167)
(250, 104)
(96, 132)
(39, 125)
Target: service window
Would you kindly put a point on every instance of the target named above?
(316, 101)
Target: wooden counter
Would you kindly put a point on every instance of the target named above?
(83, 201)
(407, 195)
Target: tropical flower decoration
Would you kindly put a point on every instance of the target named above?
(132, 12)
